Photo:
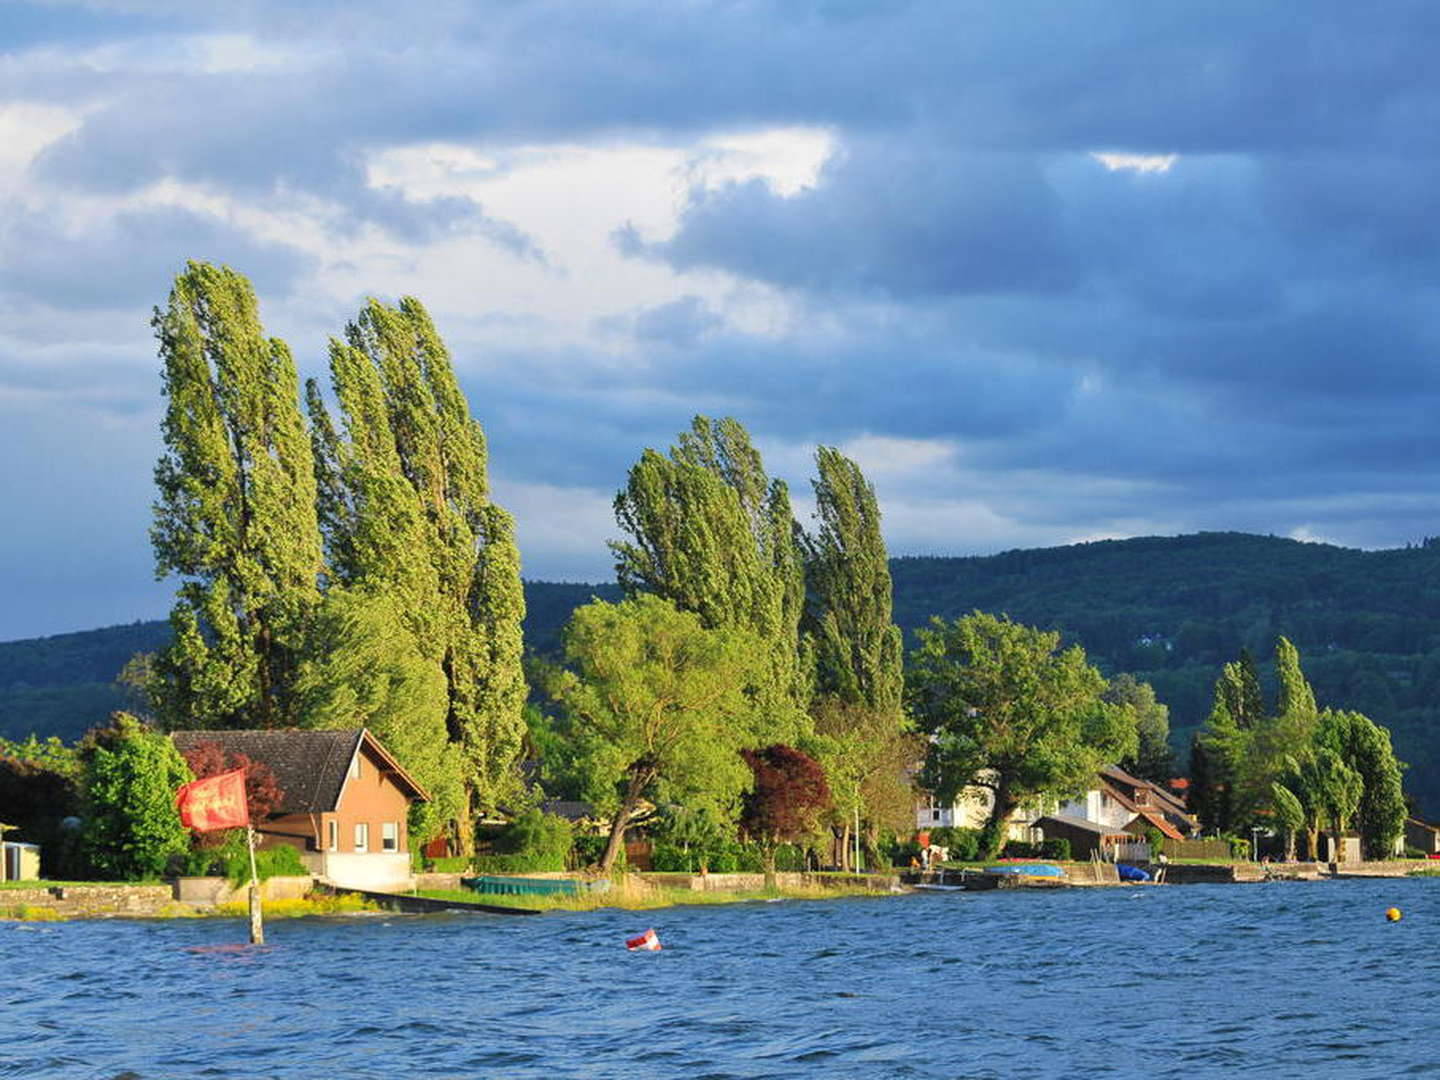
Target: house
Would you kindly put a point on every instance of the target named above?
(1421, 834)
(19, 861)
(1123, 801)
(970, 809)
(1087, 838)
(344, 801)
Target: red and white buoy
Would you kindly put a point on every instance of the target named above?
(646, 942)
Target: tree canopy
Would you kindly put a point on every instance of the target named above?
(1008, 710)
(657, 707)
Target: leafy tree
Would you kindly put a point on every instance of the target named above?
(366, 669)
(713, 534)
(1153, 759)
(858, 654)
(868, 757)
(405, 506)
(235, 513)
(130, 776)
(38, 789)
(1365, 747)
(1336, 789)
(861, 732)
(262, 790)
(656, 705)
(1007, 710)
(784, 802)
(1289, 815)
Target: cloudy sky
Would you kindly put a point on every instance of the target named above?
(1051, 272)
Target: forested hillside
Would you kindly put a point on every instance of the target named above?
(1171, 610)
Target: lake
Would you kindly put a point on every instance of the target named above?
(1288, 979)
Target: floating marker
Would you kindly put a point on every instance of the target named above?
(1393, 914)
(646, 942)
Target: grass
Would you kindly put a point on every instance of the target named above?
(31, 913)
(634, 895)
(1424, 871)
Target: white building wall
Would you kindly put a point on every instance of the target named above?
(379, 871)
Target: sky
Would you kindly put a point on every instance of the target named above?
(1050, 272)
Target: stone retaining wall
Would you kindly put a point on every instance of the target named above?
(210, 891)
(90, 901)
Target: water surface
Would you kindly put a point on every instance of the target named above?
(1290, 979)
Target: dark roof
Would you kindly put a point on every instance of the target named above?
(570, 809)
(309, 766)
(1081, 823)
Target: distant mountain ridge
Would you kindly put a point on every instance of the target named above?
(1169, 609)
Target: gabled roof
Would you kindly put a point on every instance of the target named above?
(1081, 823)
(309, 766)
(1158, 820)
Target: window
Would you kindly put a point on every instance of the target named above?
(334, 836)
(390, 836)
(362, 837)
(355, 766)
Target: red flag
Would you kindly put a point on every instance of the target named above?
(217, 802)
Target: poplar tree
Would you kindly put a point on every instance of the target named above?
(861, 731)
(858, 652)
(235, 514)
(713, 534)
(405, 508)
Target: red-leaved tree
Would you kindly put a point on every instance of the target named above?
(785, 804)
(262, 790)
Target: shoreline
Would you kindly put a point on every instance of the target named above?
(304, 897)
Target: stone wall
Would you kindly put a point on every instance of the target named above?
(209, 891)
(90, 901)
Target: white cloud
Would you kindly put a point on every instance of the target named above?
(1140, 163)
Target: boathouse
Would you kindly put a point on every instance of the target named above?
(344, 801)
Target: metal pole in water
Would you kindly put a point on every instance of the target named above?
(257, 925)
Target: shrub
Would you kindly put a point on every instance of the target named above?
(963, 844)
(1057, 847)
(542, 840)
(1019, 849)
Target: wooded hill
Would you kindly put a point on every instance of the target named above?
(1171, 610)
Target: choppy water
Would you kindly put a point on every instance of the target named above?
(1291, 979)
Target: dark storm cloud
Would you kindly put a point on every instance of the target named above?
(1247, 340)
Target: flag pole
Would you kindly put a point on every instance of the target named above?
(257, 925)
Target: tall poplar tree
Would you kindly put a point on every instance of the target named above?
(235, 513)
(405, 508)
(713, 534)
(858, 652)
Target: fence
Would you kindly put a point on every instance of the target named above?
(1212, 848)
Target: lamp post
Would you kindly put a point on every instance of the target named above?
(1254, 843)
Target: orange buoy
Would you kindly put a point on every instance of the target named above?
(1393, 914)
(646, 942)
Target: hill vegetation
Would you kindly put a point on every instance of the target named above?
(1170, 610)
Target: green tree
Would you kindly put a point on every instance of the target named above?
(366, 669)
(235, 513)
(405, 506)
(1153, 759)
(1008, 710)
(858, 654)
(713, 534)
(130, 775)
(656, 705)
(1365, 746)
(861, 732)
(1289, 815)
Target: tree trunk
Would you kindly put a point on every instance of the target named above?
(636, 786)
(1312, 843)
(845, 847)
(992, 837)
(768, 854)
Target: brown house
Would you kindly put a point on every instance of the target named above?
(344, 805)
(1423, 835)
